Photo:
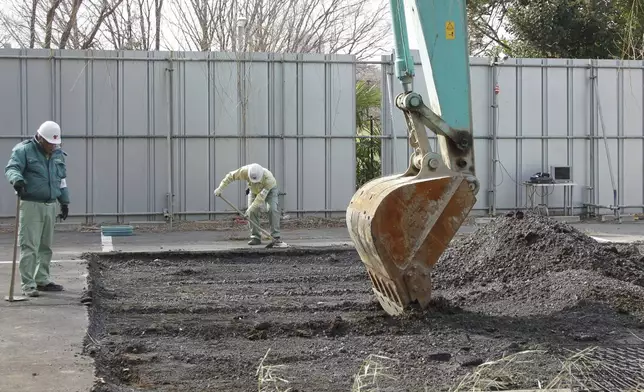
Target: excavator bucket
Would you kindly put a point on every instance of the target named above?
(400, 226)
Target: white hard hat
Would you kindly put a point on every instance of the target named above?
(50, 131)
(255, 172)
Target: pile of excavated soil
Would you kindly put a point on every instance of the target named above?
(536, 265)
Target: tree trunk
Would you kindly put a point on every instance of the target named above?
(32, 24)
(51, 13)
(70, 24)
(157, 33)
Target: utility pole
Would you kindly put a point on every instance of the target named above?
(241, 34)
(241, 90)
(371, 144)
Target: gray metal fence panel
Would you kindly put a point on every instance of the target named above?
(632, 179)
(294, 114)
(341, 122)
(548, 113)
(313, 171)
(480, 108)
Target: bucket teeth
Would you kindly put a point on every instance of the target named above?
(400, 227)
(386, 292)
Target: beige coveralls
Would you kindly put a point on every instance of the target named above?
(264, 192)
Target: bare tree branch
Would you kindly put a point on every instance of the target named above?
(359, 27)
(106, 10)
(356, 27)
(486, 18)
(70, 23)
(51, 12)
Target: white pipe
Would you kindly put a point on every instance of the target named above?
(390, 95)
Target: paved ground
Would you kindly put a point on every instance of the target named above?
(41, 339)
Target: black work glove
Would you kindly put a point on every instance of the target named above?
(64, 211)
(247, 191)
(19, 186)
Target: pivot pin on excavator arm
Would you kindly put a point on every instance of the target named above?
(402, 223)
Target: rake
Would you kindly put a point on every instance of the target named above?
(273, 240)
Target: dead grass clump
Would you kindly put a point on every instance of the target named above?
(591, 369)
(269, 378)
(575, 370)
(371, 372)
(585, 369)
(497, 375)
(588, 369)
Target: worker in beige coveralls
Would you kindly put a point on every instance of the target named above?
(263, 191)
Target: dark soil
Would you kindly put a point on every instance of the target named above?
(204, 321)
(542, 264)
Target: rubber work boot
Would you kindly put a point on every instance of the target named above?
(31, 292)
(50, 287)
(254, 241)
(277, 243)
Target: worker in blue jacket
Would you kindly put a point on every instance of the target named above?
(38, 173)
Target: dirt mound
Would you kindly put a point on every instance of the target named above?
(545, 264)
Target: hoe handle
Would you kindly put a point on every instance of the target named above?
(15, 250)
(249, 221)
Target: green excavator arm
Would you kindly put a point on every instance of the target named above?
(401, 224)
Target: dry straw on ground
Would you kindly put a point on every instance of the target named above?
(269, 377)
(371, 372)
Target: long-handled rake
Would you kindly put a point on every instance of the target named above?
(10, 297)
(274, 242)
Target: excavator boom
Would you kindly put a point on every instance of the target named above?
(402, 223)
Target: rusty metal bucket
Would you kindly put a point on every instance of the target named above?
(400, 226)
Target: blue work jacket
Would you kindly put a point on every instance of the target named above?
(44, 176)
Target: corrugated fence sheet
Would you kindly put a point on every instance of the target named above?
(149, 133)
(152, 133)
(548, 112)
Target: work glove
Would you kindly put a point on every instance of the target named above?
(64, 211)
(19, 186)
(218, 191)
(251, 210)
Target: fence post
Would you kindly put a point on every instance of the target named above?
(493, 139)
(170, 194)
(591, 142)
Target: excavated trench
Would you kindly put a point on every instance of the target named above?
(530, 288)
